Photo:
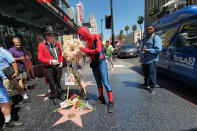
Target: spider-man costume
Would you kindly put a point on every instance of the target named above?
(94, 49)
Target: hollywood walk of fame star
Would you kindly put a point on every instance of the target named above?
(46, 96)
(73, 115)
(85, 84)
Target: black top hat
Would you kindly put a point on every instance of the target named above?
(48, 29)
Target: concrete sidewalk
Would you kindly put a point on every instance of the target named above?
(135, 108)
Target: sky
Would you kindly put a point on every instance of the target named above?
(125, 13)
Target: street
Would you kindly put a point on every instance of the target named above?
(135, 108)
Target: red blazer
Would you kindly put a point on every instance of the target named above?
(44, 56)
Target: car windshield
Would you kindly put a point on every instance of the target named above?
(128, 46)
(116, 43)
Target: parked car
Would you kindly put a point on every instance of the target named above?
(128, 50)
(116, 46)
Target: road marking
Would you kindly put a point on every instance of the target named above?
(120, 66)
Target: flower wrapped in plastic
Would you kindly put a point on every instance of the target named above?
(71, 50)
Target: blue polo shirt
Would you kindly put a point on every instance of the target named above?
(5, 59)
(153, 50)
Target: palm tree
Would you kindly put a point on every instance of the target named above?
(127, 29)
(134, 28)
(140, 21)
(120, 37)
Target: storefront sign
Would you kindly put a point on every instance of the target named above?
(48, 3)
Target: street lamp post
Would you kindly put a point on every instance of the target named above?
(102, 27)
(112, 21)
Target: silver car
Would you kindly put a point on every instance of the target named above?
(128, 50)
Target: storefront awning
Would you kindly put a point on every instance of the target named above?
(38, 14)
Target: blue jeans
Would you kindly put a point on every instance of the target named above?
(150, 72)
(101, 75)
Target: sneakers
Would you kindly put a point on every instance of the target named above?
(101, 100)
(152, 90)
(144, 85)
(12, 123)
(111, 107)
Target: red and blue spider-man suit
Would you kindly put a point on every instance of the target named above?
(94, 49)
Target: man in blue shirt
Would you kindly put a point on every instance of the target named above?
(151, 46)
(5, 101)
(6, 59)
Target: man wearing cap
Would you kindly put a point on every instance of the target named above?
(50, 54)
(95, 50)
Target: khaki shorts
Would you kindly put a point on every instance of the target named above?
(109, 58)
(22, 75)
(10, 84)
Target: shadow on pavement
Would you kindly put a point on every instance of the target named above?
(133, 85)
(137, 69)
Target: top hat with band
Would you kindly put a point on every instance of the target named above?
(48, 29)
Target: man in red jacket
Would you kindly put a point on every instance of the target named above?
(50, 53)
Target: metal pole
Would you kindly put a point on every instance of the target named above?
(101, 28)
(112, 32)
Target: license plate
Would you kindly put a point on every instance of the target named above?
(131, 53)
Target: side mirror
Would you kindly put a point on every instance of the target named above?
(181, 39)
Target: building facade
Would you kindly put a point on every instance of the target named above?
(26, 20)
(80, 13)
(93, 24)
(162, 8)
(133, 37)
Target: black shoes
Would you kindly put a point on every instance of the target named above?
(152, 90)
(111, 107)
(26, 100)
(12, 123)
(61, 97)
(54, 101)
(101, 100)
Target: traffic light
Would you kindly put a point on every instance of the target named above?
(108, 22)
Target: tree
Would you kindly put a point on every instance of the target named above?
(153, 11)
(140, 21)
(101, 35)
(127, 29)
(134, 28)
(120, 36)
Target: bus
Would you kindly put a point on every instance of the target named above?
(178, 32)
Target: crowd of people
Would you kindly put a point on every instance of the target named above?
(17, 62)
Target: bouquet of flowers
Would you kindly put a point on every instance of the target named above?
(71, 50)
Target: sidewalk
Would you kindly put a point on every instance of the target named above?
(135, 108)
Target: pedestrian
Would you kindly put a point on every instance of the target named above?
(19, 57)
(109, 51)
(6, 108)
(28, 64)
(50, 53)
(151, 46)
(6, 59)
(94, 49)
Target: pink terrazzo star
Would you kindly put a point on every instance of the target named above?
(73, 115)
(46, 96)
(85, 84)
